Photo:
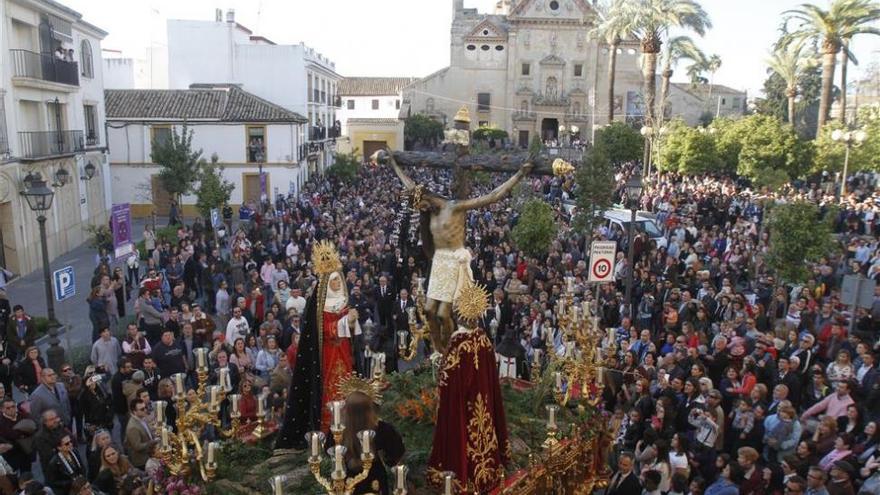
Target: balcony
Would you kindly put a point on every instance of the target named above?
(524, 116)
(337, 102)
(92, 139)
(34, 65)
(317, 133)
(41, 144)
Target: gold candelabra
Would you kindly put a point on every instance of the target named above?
(407, 348)
(182, 451)
(339, 483)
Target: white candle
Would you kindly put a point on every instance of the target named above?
(551, 419)
(558, 376)
(214, 390)
(201, 357)
(277, 486)
(211, 447)
(164, 436)
(401, 477)
(178, 383)
(585, 306)
(411, 313)
(159, 407)
(337, 413)
(537, 356)
(261, 408)
(447, 484)
(224, 380)
(366, 436)
(599, 377)
(234, 399)
(569, 284)
(316, 444)
(401, 340)
(338, 452)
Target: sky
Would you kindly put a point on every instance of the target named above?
(411, 37)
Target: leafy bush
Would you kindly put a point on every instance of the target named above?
(345, 166)
(486, 133)
(535, 229)
(620, 142)
(101, 237)
(799, 234)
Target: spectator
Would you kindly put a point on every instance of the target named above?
(139, 438)
(51, 395)
(65, 466)
(106, 351)
(21, 332)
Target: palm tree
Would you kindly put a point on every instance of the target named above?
(712, 66)
(695, 73)
(791, 62)
(610, 29)
(843, 20)
(648, 21)
(677, 48)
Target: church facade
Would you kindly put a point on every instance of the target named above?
(531, 69)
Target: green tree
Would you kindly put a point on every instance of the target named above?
(610, 28)
(535, 228)
(649, 21)
(214, 191)
(688, 150)
(620, 143)
(180, 166)
(791, 63)
(728, 142)
(798, 235)
(486, 133)
(535, 145)
(422, 129)
(595, 189)
(767, 143)
(677, 49)
(833, 28)
(345, 166)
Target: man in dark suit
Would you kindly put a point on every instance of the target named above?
(384, 301)
(867, 374)
(138, 438)
(790, 379)
(501, 313)
(50, 395)
(624, 481)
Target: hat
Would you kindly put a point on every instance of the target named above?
(845, 467)
(138, 376)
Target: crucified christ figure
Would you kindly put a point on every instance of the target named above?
(444, 244)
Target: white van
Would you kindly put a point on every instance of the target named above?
(620, 217)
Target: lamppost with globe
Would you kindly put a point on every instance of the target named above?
(633, 193)
(849, 139)
(648, 133)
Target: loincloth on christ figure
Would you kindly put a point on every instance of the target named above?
(450, 271)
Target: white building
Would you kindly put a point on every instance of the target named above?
(248, 135)
(51, 124)
(295, 77)
(530, 69)
(369, 112)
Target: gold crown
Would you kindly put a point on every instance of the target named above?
(561, 167)
(463, 115)
(472, 302)
(325, 258)
(352, 383)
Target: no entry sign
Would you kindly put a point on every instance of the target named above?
(602, 261)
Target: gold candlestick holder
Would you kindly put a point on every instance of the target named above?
(419, 332)
(339, 482)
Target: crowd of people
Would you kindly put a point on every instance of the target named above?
(721, 378)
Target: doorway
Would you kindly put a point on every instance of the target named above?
(8, 251)
(523, 139)
(251, 190)
(549, 129)
(161, 196)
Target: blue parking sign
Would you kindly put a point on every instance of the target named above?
(64, 283)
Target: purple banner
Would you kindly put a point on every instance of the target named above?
(120, 219)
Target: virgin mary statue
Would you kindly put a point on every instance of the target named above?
(324, 355)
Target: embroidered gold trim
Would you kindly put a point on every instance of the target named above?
(482, 444)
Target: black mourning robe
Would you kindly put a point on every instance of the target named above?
(303, 411)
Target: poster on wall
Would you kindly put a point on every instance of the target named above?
(120, 223)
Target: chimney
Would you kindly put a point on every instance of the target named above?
(218, 15)
(230, 15)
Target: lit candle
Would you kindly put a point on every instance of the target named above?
(365, 437)
(315, 440)
(338, 452)
(224, 380)
(201, 357)
(276, 486)
(337, 413)
(164, 437)
(178, 383)
(447, 483)
(211, 447)
(234, 399)
(159, 407)
(558, 376)
(214, 390)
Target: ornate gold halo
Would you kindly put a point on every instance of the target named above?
(325, 258)
(472, 302)
(352, 383)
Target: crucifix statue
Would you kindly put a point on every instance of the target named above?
(443, 227)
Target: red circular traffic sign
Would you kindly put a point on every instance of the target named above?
(601, 268)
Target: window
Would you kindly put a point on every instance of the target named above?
(397, 104)
(485, 32)
(429, 105)
(736, 102)
(256, 144)
(483, 123)
(350, 104)
(526, 69)
(485, 48)
(160, 134)
(499, 47)
(483, 102)
(472, 47)
(550, 90)
(554, 5)
(91, 118)
(578, 70)
(375, 104)
(524, 106)
(85, 59)
(576, 108)
(310, 94)
(724, 101)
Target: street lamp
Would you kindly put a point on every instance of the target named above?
(633, 193)
(849, 139)
(89, 171)
(648, 133)
(39, 198)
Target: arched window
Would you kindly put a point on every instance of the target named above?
(550, 90)
(576, 108)
(85, 59)
(429, 104)
(524, 106)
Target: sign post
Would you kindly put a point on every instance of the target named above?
(64, 282)
(602, 255)
(858, 292)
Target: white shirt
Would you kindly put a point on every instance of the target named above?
(298, 303)
(237, 328)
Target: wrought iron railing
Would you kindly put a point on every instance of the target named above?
(37, 144)
(45, 67)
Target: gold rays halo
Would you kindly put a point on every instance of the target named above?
(325, 258)
(472, 302)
